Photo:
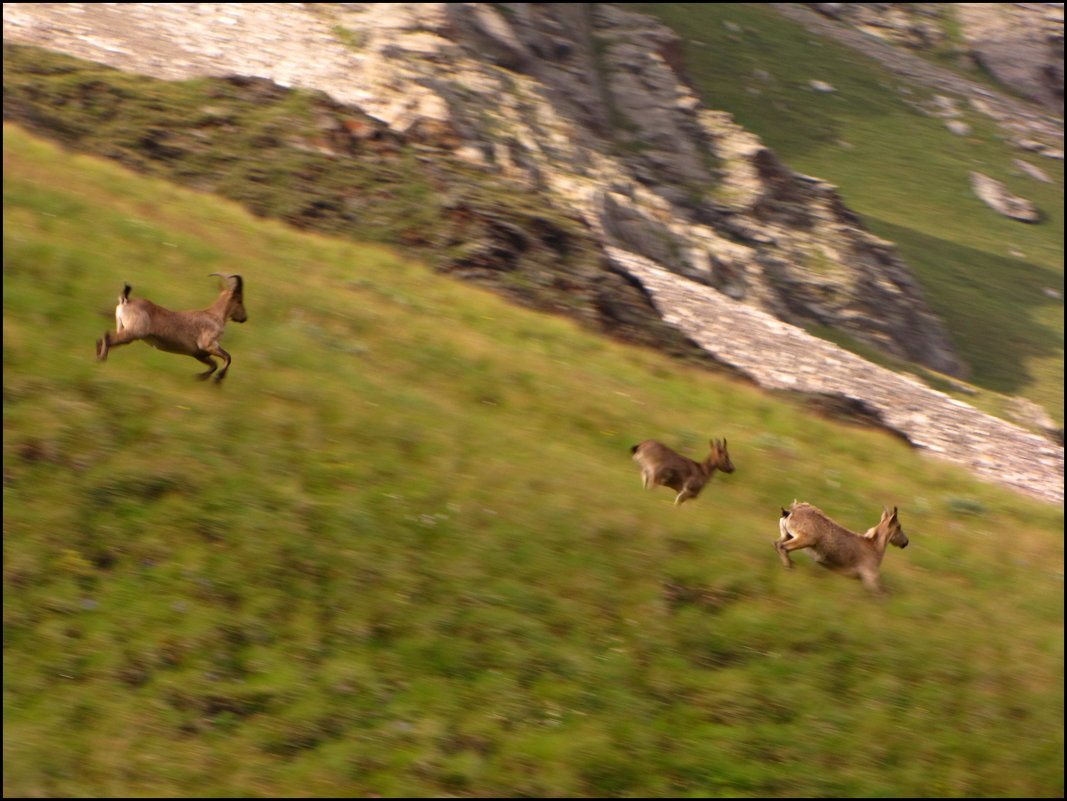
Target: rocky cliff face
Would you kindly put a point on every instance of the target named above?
(585, 103)
(658, 174)
(1019, 44)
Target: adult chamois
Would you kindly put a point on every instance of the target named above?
(193, 333)
(835, 547)
(661, 466)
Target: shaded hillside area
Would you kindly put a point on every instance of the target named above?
(403, 550)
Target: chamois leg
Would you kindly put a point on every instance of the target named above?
(783, 555)
(871, 582)
(218, 351)
(685, 494)
(689, 490)
(203, 356)
(783, 530)
(792, 544)
(111, 340)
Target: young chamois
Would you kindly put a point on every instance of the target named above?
(661, 466)
(835, 547)
(193, 333)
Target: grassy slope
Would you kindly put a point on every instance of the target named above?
(906, 175)
(403, 550)
(275, 151)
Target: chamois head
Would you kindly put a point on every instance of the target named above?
(235, 306)
(720, 456)
(896, 532)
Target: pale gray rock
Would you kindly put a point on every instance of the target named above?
(1032, 171)
(1020, 44)
(997, 196)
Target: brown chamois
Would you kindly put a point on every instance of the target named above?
(661, 466)
(193, 333)
(834, 546)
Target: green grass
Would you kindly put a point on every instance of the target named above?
(403, 551)
(906, 175)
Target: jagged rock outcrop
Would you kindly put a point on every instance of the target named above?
(694, 191)
(585, 102)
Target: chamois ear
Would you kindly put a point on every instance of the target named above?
(785, 512)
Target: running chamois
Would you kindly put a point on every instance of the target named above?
(835, 547)
(193, 333)
(661, 466)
